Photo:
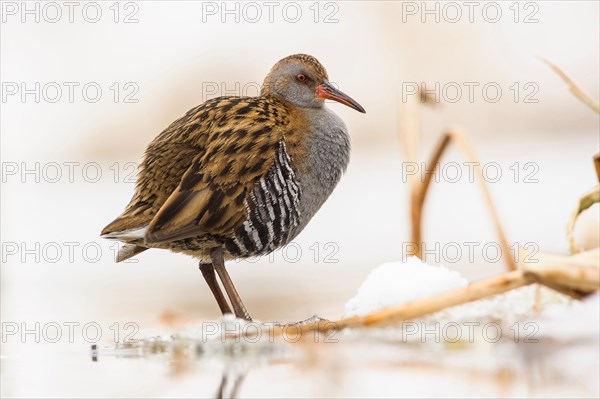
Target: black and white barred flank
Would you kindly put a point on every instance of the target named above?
(273, 211)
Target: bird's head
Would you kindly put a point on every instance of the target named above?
(303, 81)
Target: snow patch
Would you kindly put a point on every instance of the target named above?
(396, 283)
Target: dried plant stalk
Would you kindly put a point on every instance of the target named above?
(408, 133)
(592, 197)
(420, 308)
(580, 272)
(474, 291)
(574, 275)
(395, 314)
(580, 94)
(585, 202)
(419, 193)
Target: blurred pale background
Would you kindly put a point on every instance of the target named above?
(172, 56)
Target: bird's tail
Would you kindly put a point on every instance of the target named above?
(122, 230)
(129, 250)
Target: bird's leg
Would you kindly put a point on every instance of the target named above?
(240, 311)
(208, 272)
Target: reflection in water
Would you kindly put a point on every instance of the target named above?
(94, 353)
(378, 362)
(232, 379)
(182, 353)
(233, 374)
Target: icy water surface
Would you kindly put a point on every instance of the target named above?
(344, 364)
(163, 295)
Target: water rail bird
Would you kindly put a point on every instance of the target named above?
(238, 177)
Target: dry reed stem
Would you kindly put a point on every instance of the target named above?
(573, 275)
(585, 202)
(419, 193)
(580, 94)
(579, 272)
(408, 133)
(420, 308)
(474, 291)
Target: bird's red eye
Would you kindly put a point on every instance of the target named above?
(301, 77)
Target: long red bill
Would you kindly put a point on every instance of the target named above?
(327, 91)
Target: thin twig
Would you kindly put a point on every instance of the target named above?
(420, 193)
(579, 272)
(474, 291)
(580, 94)
(586, 201)
(420, 308)
(574, 275)
(409, 135)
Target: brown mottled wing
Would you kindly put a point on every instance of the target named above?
(240, 148)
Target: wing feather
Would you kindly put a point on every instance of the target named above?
(211, 196)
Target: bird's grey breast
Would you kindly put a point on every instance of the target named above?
(327, 146)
